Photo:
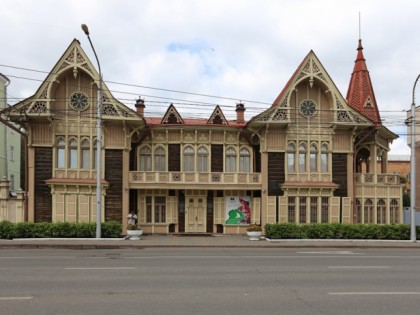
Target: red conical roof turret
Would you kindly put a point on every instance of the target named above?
(360, 95)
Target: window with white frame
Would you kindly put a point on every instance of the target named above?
(244, 161)
(145, 159)
(188, 159)
(230, 159)
(160, 160)
(202, 159)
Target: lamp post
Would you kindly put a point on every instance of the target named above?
(413, 166)
(98, 142)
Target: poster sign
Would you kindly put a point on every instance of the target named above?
(238, 210)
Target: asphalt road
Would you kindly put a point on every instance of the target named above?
(210, 281)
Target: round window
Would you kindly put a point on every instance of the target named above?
(79, 101)
(307, 108)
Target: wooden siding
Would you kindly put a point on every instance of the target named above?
(114, 136)
(339, 173)
(174, 157)
(113, 175)
(41, 134)
(217, 158)
(275, 173)
(43, 171)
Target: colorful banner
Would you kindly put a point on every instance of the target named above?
(238, 210)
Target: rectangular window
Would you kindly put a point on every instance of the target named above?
(160, 209)
(160, 161)
(202, 163)
(231, 164)
(314, 162)
(291, 162)
(324, 162)
(291, 210)
(302, 209)
(302, 162)
(324, 209)
(148, 209)
(314, 209)
(85, 158)
(188, 163)
(60, 157)
(73, 158)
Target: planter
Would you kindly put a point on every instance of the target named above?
(254, 235)
(134, 234)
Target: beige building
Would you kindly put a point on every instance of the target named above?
(310, 157)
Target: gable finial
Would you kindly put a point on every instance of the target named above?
(360, 27)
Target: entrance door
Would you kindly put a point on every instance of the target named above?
(195, 214)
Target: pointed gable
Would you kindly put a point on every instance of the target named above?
(311, 71)
(172, 116)
(75, 63)
(217, 117)
(360, 94)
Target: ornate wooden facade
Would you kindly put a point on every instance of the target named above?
(310, 157)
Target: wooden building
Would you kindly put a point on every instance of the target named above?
(310, 157)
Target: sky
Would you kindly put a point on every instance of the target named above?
(199, 54)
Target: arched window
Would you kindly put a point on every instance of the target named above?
(72, 153)
(85, 154)
(61, 149)
(381, 212)
(230, 160)
(394, 210)
(368, 211)
(244, 161)
(313, 158)
(324, 158)
(202, 159)
(358, 211)
(160, 160)
(145, 159)
(188, 159)
(302, 158)
(291, 162)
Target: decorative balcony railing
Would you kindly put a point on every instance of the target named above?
(384, 179)
(251, 179)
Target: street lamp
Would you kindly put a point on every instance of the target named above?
(413, 166)
(98, 142)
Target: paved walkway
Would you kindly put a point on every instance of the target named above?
(200, 241)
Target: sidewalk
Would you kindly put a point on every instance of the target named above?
(220, 241)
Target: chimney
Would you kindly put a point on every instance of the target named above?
(140, 106)
(240, 110)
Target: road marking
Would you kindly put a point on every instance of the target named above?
(374, 293)
(340, 252)
(10, 298)
(359, 267)
(100, 268)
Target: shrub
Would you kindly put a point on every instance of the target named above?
(10, 230)
(339, 231)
